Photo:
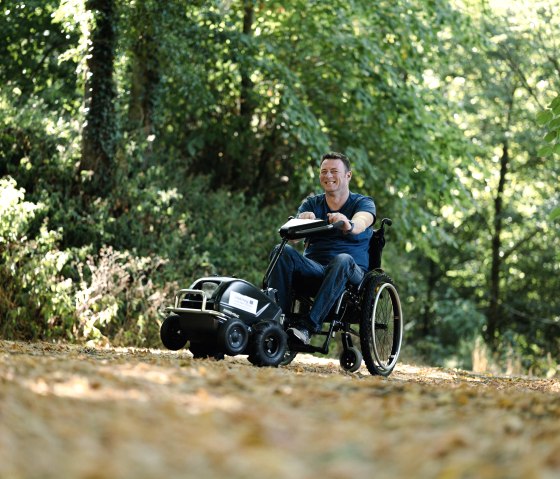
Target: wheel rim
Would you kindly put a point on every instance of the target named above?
(236, 338)
(351, 360)
(348, 360)
(386, 321)
(271, 345)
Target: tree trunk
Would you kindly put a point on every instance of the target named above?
(428, 312)
(145, 74)
(98, 140)
(494, 310)
(246, 167)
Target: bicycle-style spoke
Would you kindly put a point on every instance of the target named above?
(384, 327)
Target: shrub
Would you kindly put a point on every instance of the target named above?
(35, 298)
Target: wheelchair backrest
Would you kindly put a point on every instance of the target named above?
(376, 244)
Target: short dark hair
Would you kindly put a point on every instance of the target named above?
(334, 155)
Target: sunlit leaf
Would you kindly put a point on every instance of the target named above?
(544, 117)
(545, 151)
(551, 136)
(555, 102)
(554, 124)
(555, 214)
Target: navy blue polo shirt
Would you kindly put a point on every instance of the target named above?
(325, 247)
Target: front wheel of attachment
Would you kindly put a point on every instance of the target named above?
(233, 337)
(172, 335)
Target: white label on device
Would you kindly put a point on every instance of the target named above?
(245, 303)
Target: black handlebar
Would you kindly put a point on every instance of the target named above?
(302, 231)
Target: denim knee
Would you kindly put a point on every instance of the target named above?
(342, 261)
(287, 253)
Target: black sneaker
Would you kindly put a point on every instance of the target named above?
(301, 334)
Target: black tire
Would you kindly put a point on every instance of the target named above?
(289, 356)
(233, 337)
(268, 344)
(351, 359)
(201, 350)
(172, 335)
(381, 324)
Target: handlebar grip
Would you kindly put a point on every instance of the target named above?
(386, 221)
(338, 225)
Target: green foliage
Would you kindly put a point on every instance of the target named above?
(35, 299)
(550, 119)
(221, 112)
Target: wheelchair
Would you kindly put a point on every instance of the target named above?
(219, 315)
(369, 313)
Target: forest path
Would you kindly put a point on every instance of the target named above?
(75, 412)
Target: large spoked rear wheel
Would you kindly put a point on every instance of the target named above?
(381, 324)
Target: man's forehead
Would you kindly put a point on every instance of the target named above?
(332, 163)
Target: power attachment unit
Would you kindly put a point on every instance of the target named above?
(221, 315)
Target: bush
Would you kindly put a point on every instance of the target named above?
(35, 299)
(111, 289)
(117, 299)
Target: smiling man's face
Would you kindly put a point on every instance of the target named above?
(334, 177)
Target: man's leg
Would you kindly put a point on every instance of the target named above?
(290, 264)
(340, 271)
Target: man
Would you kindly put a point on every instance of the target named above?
(329, 262)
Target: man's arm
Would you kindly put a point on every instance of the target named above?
(362, 220)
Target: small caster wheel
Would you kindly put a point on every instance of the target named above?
(351, 359)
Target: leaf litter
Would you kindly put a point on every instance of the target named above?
(80, 412)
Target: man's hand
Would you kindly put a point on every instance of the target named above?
(335, 217)
(307, 215)
(361, 219)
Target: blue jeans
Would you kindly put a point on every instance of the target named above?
(295, 272)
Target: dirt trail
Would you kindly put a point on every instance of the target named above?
(75, 412)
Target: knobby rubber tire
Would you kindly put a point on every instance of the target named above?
(268, 344)
(289, 356)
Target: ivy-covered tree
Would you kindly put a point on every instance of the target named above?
(100, 127)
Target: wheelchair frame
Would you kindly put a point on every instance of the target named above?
(374, 306)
